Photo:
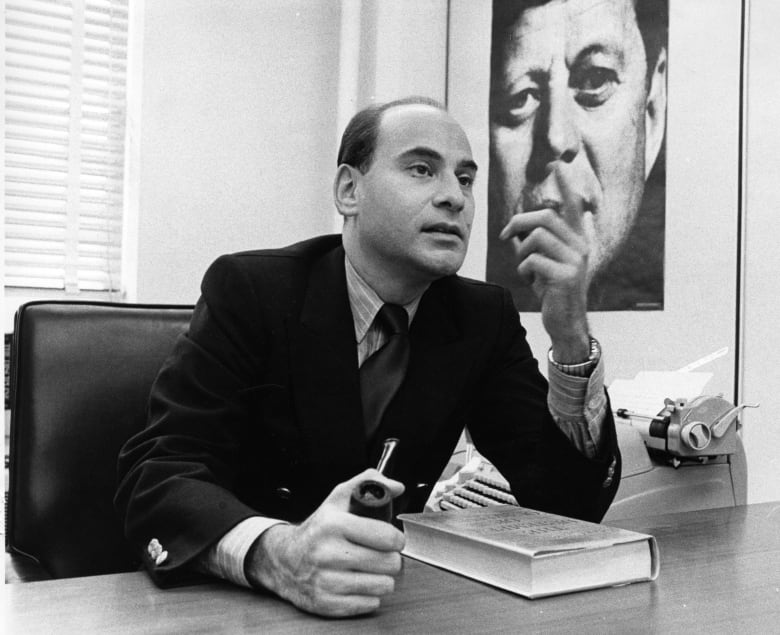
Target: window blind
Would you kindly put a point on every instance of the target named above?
(65, 76)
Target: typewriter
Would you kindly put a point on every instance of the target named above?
(690, 456)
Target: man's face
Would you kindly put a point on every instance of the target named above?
(415, 205)
(567, 120)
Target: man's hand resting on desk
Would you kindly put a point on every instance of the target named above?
(334, 563)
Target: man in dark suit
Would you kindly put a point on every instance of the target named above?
(257, 432)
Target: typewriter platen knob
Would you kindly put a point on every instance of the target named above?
(696, 435)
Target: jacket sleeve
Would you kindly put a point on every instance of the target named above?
(174, 494)
(514, 430)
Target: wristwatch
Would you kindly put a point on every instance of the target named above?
(583, 369)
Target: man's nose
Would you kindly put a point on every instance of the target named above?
(450, 193)
(561, 135)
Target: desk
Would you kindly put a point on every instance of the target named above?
(720, 572)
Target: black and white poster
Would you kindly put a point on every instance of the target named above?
(577, 123)
(654, 170)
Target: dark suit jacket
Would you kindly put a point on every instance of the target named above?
(258, 408)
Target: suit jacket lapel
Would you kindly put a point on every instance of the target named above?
(325, 370)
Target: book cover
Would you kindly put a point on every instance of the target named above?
(530, 552)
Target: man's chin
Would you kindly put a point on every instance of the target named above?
(601, 256)
(443, 264)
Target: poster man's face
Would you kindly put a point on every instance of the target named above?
(569, 118)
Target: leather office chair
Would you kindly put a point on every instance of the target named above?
(80, 378)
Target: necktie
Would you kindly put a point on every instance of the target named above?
(382, 373)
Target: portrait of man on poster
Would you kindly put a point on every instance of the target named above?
(577, 123)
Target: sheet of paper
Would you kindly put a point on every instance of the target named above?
(645, 393)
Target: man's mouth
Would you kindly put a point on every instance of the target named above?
(444, 228)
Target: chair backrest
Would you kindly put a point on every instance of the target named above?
(80, 379)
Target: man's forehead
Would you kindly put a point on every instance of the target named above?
(520, 6)
(573, 19)
(407, 127)
(538, 35)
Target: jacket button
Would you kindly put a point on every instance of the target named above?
(283, 493)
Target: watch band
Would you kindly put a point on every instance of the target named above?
(583, 369)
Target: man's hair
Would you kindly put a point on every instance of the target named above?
(358, 143)
(651, 16)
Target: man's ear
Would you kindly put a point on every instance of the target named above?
(345, 190)
(655, 112)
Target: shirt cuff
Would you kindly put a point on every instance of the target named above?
(226, 558)
(578, 406)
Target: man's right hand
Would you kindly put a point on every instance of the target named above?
(334, 563)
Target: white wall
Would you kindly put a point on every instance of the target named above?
(761, 297)
(235, 134)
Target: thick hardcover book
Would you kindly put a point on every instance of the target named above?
(530, 552)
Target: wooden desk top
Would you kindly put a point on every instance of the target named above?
(720, 572)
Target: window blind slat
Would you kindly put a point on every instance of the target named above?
(65, 97)
(37, 42)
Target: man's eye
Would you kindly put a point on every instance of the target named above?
(466, 180)
(519, 107)
(421, 169)
(593, 85)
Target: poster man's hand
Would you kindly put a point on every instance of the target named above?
(552, 257)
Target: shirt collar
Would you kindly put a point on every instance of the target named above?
(365, 302)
